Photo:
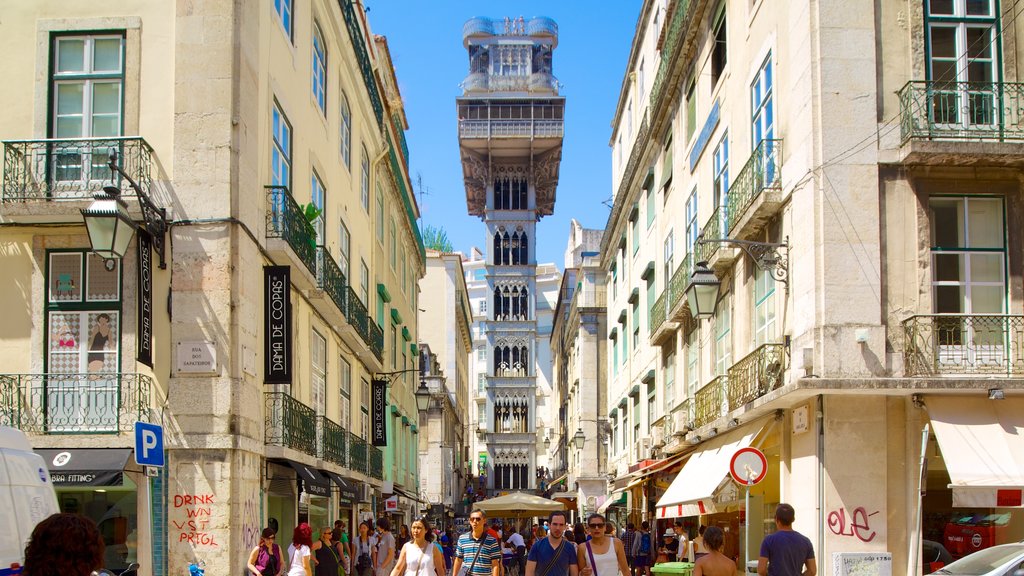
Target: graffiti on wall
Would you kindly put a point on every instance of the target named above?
(195, 511)
(857, 525)
(251, 523)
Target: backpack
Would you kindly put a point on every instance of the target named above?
(645, 543)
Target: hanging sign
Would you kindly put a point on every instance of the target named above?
(277, 325)
(378, 412)
(145, 300)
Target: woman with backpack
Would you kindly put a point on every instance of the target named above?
(265, 559)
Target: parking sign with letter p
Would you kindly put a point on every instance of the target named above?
(149, 444)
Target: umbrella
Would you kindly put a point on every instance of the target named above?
(518, 505)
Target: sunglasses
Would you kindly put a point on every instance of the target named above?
(595, 526)
(475, 519)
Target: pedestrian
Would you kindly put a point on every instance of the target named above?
(518, 546)
(299, 551)
(402, 537)
(683, 550)
(714, 563)
(553, 555)
(364, 551)
(448, 548)
(265, 558)
(325, 555)
(610, 528)
(642, 549)
(627, 542)
(418, 556)
(668, 548)
(786, 552)
(344, 546)
(699, 548)
(579, 533)
(385, 560)
(603, 554)
(477, 551)
(64, 545)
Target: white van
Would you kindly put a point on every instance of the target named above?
(25, 490)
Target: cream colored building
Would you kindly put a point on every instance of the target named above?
(235, 117)
(850, 172)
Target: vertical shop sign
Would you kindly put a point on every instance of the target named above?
(378, 408)
(277, 322)
(145, 300)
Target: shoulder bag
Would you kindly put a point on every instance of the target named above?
(590, 553)
(551, 561)
(463, 571)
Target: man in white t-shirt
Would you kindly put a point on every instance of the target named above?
(518, 546)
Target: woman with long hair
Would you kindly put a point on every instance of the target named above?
(265, 558)
(325, 554)
(713, 562)
(364, 551)
(299, 551)
(603, 554)
(419, 557)
(64, 545)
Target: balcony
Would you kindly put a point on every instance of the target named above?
(667, 311)
(333, 441)
(289, 423)
(708, 405)
(287, 222)
(500, 128)
(357, 453)
(332, 297)
(982, 345)
(376, 463)
(376, 340)
(755, 196)
(718, 256)
(756, 374)
(962, 123)
(91, 403)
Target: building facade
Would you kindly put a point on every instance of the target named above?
(445, 348)
(828, 162)
(251, 318)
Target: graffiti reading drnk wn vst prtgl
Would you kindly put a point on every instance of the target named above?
(859, 527)
(192, 529)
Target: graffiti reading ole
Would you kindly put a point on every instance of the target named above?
(859, 524)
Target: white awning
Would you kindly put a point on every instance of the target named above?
(982, 444)
(692, 491)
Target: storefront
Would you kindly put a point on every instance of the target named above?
(974, 474)
(348, 499)
(297, 493)
(97, 483)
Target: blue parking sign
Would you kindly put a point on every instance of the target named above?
(149, 444)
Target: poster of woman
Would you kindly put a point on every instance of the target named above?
(102, 342)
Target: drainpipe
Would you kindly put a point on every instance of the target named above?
(819, 416)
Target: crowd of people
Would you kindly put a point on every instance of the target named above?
(70, 545)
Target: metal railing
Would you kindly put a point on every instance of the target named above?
(357, 451)
(289, 423)
(331, 279)
(716, 227)
(675, 31)
(963, 344)
(286, 220)
(72, 169)
(359, 40)
(962, 111)
(376, 340)
(761, 172)
(658, 313)
(333, 445)
(501, 128)
(756, 374)
(94, 403)
(357, 315)
(707, 402)
(376, 469)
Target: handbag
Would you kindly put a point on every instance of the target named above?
(590, 552)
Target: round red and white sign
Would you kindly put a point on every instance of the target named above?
(748, 466)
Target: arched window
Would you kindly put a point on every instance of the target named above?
(524, 309)
(364, 182)
(497, 249)
(524, 252)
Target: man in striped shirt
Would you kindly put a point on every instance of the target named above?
(477, 551)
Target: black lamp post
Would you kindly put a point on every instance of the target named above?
(423, 397)
(702, 291)
(579, 438)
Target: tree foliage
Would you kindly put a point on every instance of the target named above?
(435, 238)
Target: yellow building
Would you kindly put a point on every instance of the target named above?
(272, 136)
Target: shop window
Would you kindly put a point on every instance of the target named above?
(114, 509)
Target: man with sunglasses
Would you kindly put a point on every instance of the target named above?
(477, 551)
(554, 555)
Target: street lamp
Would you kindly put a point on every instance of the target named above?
(423, 397)
(579, 438)
(702, 292)
(109, 225)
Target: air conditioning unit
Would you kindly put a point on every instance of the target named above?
(681, 422)
(365, 493)
(645, 447)
(657, 436)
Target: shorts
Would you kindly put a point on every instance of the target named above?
(641, 561)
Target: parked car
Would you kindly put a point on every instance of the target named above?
(1001, 560)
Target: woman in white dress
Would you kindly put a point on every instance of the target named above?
(298, 551)
(419, 557)
(602, 555)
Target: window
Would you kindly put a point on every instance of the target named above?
(481, 383)
(666, 165)
(618, 151)
(668, 257)
(364, 282)
(629, 120)
(482, 305)
(636, 325)
(83, 321)
(723, 335)
(615, 355)
(344, 248)
(283, 8)
(406, 275)
(380, 310)
(721, 170)
(625, 340)
(88, 86)
(380, 215)
(511, 60)
(764, 306)
(615, 436)
(763, 121)
(511, 193)
(669, 377)
(319, 69)
(635, 233)
(345, 386)
(281, 155)
(651, 195)
(640, 79)
(636, 418)
(692, 231)
(481, 354)
(650, 299)
(692, 362)
(691, 107)
(345, 130)
(968, 255)
(481, 416)
(318, 195)
(364, 424)
(394, 247)
(364, 181)
(394, 346)
(318, 371)
(719, 51)
(962, 48)
(651, 403)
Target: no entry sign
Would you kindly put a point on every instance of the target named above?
(748, 466)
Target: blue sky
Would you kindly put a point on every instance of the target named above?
(425, 40)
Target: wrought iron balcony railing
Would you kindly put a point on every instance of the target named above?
(376, 339)
(72, 169)
(289, 423)
(658, 311)
(357, 315)
(708, 405)
(964, 345)
(762, 171)
(672, 295)
(93, 403)
(676, 27)
(357, 451)
(331, 279)
(376, 462)
(756, 374)
(717, 227)
(992, 111)
(286, 220)
(333, 445)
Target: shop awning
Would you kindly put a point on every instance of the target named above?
(346, 488)
(613, 500)
(982, 443)
(692, 491)
(86, 466)
(312, 481)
